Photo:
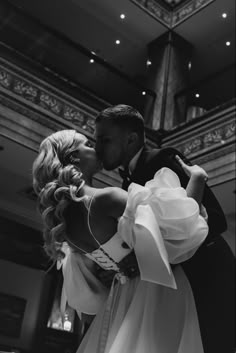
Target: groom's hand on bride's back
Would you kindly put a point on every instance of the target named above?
(105, 276)
(128, 266)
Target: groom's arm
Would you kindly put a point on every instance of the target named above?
(113, 201)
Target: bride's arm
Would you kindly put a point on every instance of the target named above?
(197, 180)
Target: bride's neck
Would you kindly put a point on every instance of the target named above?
(87, 190)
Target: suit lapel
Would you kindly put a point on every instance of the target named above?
(140, 166)
(144, 168)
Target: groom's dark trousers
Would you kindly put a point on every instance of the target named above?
(211, 270)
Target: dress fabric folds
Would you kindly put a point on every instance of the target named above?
(155, 312)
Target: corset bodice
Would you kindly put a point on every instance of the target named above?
(109, 254)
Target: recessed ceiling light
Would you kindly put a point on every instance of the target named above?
(189, 65)
(224, 15)
(228, 43)
(149, 62)
(91, 61)
(117, 41)
(143, 93)
(122, 16)
(197, 95)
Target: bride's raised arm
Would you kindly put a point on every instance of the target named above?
(198, 178)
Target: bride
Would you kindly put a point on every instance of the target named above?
(86, 227)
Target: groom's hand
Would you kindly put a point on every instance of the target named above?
(128, 266)
(105, 276)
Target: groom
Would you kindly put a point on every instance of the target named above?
(120, 142)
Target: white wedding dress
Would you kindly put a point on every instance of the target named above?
(153, 313)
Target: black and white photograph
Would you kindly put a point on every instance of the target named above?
(117, 176)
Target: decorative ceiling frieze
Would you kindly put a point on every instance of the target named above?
(155, 10)
(187, 10)
(214, 131)
(45, 98)
(173, 3)
(210, 142)
(177, 11)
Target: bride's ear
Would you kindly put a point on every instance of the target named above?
(74, 158)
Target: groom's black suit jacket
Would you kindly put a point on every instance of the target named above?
(150, 161)
(211, 270)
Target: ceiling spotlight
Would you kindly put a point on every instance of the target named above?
(143, 93)
(224, 15)
(228, 43)
(189, 65)
(197, 95)
(122, 16)
(91, 61)
(149, 62)
(93, 52)
(117, 41)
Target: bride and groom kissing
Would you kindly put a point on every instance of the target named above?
(172, 288)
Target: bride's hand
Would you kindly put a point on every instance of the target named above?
(192, 170)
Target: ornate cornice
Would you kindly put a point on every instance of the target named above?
(172, 17)
(210, 133)
(210, 142)
(154, 9)
(31, 92)
(187, 10)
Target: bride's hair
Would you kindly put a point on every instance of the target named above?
(56, 181)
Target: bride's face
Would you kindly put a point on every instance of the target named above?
(87, 158)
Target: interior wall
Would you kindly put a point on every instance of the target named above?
(29, 284)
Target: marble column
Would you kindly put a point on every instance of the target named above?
(170, 57)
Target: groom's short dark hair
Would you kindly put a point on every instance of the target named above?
(123, 116)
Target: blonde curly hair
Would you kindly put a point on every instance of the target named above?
(56, 181)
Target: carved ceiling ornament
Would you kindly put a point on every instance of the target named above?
(171, 12)
(30, 91)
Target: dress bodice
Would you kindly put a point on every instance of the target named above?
(109, 254)
(160, 223)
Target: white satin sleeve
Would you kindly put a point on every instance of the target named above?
(163, 226)
(81, 289)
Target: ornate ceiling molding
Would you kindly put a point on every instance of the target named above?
(154, 9)
(44, 98)
(172, 17)
(210, 142)
(210, 133)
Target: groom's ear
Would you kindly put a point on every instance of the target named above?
(133, 138)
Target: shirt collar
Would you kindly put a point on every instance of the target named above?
(134, 160)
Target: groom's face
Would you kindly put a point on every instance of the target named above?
(111, 144)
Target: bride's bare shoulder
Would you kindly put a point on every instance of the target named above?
(111, 200)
